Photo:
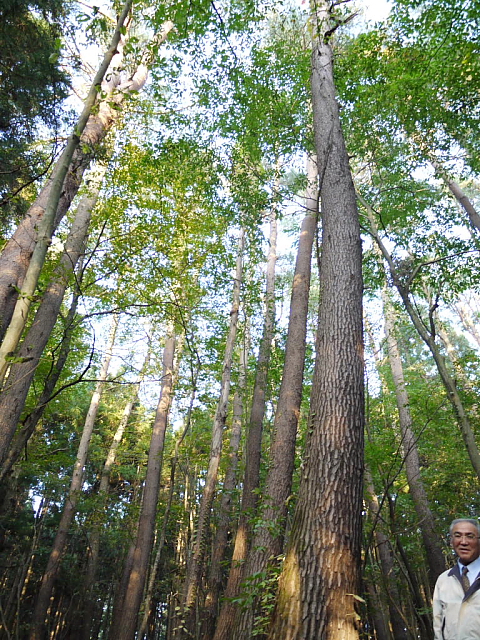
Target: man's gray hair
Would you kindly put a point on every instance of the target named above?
(475, 523)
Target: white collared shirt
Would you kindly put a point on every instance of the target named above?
(473, 569)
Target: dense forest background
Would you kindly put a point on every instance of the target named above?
(239, 389)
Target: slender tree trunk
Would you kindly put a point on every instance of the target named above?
(226, 620)
(426, 519)
(127, 623)
(156, 563)
(195, 564)
(94, 542)
(219, 546)
(69, 510)
(387, 560)
(14, 394)
(429, 339)
(267, 541)
(321, 573)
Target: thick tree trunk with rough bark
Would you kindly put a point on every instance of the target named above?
(14, 394)
(126, 624)
(267, 542)
(320, 579)
(43, 599)
(195, 564)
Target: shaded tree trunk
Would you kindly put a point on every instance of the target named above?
(220, 541)
(43, 599)
(94, 542)
(426, 519)
(126, 624)
(253, 445)
(195, 564)
(320, 578)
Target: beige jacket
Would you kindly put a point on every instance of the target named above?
(456, 616)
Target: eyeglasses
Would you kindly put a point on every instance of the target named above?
(469, 536)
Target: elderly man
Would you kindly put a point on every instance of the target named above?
(456, 599)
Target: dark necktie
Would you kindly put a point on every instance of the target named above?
(465, 580)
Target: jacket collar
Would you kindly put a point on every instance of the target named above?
(475, 586)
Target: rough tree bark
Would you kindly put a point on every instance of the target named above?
(320, 578)
(38, 630)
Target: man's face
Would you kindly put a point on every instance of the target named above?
(465, 542)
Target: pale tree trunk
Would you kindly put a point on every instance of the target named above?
(131, 600)
(253, 445)
(402, 287)
(14, 394)
(94, 541)
(220, 541)
(31, 420)
(196, 561)
(38, 626)
(426, 519)
(267, 542)
(26, 250)
(45, 215)
(465, 314)
(321, 573)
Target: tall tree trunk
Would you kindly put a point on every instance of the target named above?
(267, 542)
(220, 541)
(321, 573)
(131, 600)
(402, 287)
(426, 519)
(69, 509)
(156, 563)
(14, 394)
(94, 542)
(195, 564)
(32, 264)
(226, 619)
